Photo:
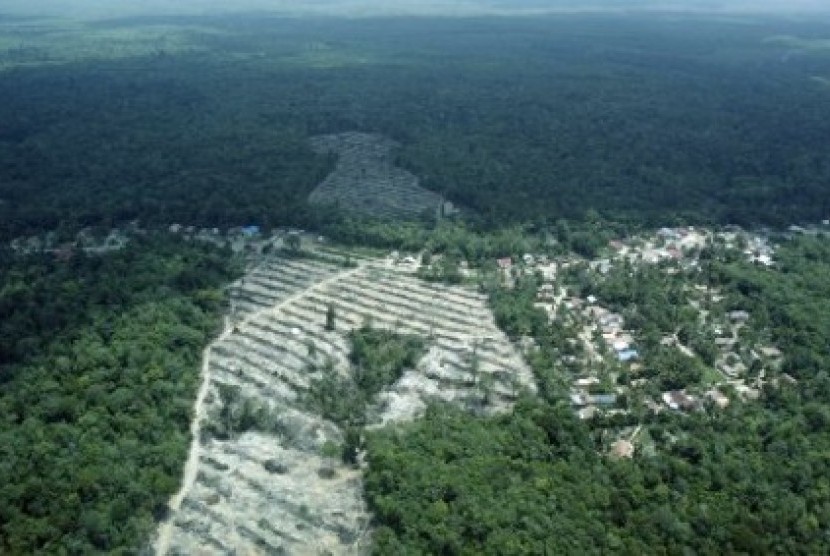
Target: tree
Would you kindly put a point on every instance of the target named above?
(331, 316)
(293, 242)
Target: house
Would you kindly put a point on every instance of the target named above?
(611, 320)
(679, 400)
(747, 393)
(764, 259)
(627, 355)
(587, 412)
(174, 228)
(250, 231)
(621, 345)
(771, 352)
(504, 263)
(602, 399)
(738, 316)
(668, 234)
(591, 299)
(718, 398)
(546, 291)
(622, 449)
(579, 400)
(585, 382)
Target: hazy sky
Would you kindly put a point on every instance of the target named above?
(114, 8)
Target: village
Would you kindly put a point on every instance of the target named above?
(250, 240)
(605, 364)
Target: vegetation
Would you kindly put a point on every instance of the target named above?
(99, 368)
(378, 358)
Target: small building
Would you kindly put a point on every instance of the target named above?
(174, 228)
(505, 263)
(611, 320)
(579, 400)
(546, 291)
(587, 412)
(738, 316)
(627, 355)
(602, 399)
(621, 345)
(718, 397)
(747, 393)
(764, 259)
(250, 231)
(586, 382)
(591, 299)
(679, 400)
(771, 352)
(669, 234)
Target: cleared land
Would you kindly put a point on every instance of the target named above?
(366, 180)
(271, 489)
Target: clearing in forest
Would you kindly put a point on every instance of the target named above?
(366, 181)
(267, 476)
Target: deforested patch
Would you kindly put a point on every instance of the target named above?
(366, 180)
(291, 386)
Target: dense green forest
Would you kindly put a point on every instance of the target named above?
(99, 367)
(749, 480)
(206, 120)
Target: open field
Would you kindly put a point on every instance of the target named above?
(275, 487)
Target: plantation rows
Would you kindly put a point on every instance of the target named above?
(366, 181)
(269, 487)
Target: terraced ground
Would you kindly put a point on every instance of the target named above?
(366, 181)
(275, 492)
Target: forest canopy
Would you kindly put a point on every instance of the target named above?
(643, 119)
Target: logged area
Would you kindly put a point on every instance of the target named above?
(366, 181)
(270, 471)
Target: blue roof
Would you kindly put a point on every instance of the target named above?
(604, 399)
(628, 355)
(250, 230)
